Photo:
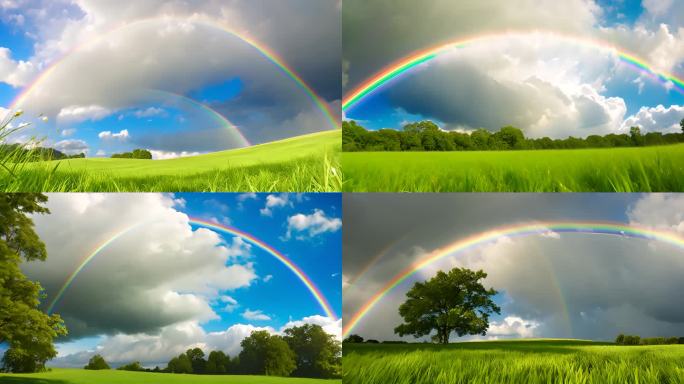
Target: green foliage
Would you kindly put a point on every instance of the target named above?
(681, 125)
(519, 361)
(317, 353)
(353, 339)
(266, 354)
(180, 364)
(302, 164)
(218, 363)
(97, 363)
(27, 331)
(196, 356)
(636, 340)
(135, 367)
(644, 169)
(620, 339)
(454, 301)
(426, 136)
(142, 154)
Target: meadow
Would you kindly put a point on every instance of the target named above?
(81, 376)
(639, 169)
(517, 361)
(307, 163)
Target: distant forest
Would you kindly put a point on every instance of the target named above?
(16, 151)
(427, 136)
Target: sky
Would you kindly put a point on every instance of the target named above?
(111, 77)
(167, 284)
(552, 285)
(544, 85)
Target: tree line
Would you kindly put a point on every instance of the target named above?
(143, 154)
(23, 154)
(427, 136)
(303, 351)
(622, 339)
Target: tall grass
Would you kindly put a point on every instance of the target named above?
(647, 169)
(491, 362)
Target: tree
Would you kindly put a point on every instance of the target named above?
(218, 363)
(681, 125)
(266, 354)
(353, 339)
(453, 301)
(318, 354)
(196, 356)
(97, 363)
(134, 366)
(180, 364)
(511, 136)
(24, 329)
(635, 135)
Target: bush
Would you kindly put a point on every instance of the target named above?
(353, 339)
(620, 339)
(97, 363)
(135, 367)
(372, 341)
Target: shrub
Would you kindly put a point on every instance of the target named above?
(135, 366)
(97, 363)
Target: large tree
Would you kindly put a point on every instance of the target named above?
(318, 354)
(97, 363)
(266, 354)
(25, 329)
(454, 301)
(218, 363)
(681, 125)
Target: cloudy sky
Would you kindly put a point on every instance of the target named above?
(542, 84)
(555, 285)
(131, 75)
(167, 284)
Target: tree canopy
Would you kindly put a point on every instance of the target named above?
(266, 354)
(135, 154)
(97, 363)
(454, 301)
(427, 136)
(27, 331)
(317, 353)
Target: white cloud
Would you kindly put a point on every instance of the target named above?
(660, 211)
(275, 201)
(68, 132)
(256, 315)
(165, 155)
(267, 278)
(230, 304)
(311, 225)
(78, 113)
(514, 327)
(150, 112)
(108, 135)
(156, 274)
(15, 73)
(247, 196)
(656, 119)
(71, 147)
(101, 153)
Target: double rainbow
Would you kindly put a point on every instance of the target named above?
(517, 230)
(298, 272)
(414, 60)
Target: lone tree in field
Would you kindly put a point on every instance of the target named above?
(97, 363)
(453, 301)
(25, 330)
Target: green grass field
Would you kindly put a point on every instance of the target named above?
(81, 376)
(646, 169)
(519, 361)
(307, 163)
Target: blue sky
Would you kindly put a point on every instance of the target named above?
(210, 287)
(544, 85)
(108, 61)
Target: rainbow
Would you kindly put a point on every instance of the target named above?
(265, 51)
(414, 60)
(310, 285)
(237, 135)
(517, 230)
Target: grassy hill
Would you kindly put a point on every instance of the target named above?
(303, 163)
(513, 361)
(643, 169)
(81, 376)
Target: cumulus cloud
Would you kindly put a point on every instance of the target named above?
(108, 135)
(164, 155)
(79, 113)
(15, 73)
(256, 315)
(661, 211)
(71, 147)
(130, 286)
(68, 132)
(275, 201)
(512, 326)
(656, 119)
(307, 226)
(172, 340)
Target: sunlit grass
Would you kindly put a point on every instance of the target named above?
(647, 169)
(541, 361)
